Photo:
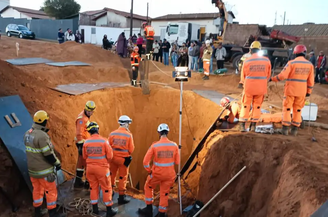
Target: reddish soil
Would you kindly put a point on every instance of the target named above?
(285, 177)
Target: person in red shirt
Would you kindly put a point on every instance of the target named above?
(139, 43)
(320, 68)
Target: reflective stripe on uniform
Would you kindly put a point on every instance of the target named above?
(306, 62)
(107, 174)
(297, 80)
(120, 134)
(286, 122)
(78, 169)
(121, 150)
(38, 201)
(43, 172)
(146, 166)
(296, 123)
(164, 144)
(256, 59)
(310, 87)
(109, 203)
(162, 207)
(94, 201)
(94, 140)
(164, 165)
(51, 204)
(256, 77)
(37, 150)
(149, 199)
(97, 157)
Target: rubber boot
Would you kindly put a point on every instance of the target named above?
(161, 214)
(147, 211)
(78, 182)
(37, 211)
(54, 213)
(242, 127)
(284, 130)
(206, 77)
(86, 185)
(252, 127)
(95, 209)
(111, 211)
(122, 199)
(294, 130)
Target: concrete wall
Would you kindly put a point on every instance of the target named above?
(208, 24)
(4, 3)
(316, 43)
(101, 31)
(115, 20)
(102, 21)
(239, 33)
(43, 28)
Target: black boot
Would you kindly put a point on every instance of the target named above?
(252, 127)
(206, 77)
(78, 182)
(54, 213)
(284, 130)
(122, 199)
(86, 184)
(147, 211)
(161, 214)
(294, 130)
(37, 211)
(111, 211)
(95, 209)
(242, 127)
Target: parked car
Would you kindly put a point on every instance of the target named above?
(19, 31)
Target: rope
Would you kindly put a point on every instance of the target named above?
(159, 68)
(83, 206)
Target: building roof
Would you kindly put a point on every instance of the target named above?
(92, 13)
(122, 13)
(196, 16)
(28, 12)
(300, 30)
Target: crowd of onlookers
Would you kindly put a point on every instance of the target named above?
(69, 36)
(319, 64)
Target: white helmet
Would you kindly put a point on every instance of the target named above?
(207, 42)
(124, 119)
(163, 127)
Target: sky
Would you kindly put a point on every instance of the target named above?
(246, 11)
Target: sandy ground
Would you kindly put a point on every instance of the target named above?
(291, 163)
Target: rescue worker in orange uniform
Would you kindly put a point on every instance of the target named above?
(121, 141)
(165, 155)
(42, 161)
(135, 61)
(98, 154)
(82, 134)
(149, 34)
(299, 76)
(256, 72)
(233, 108)
(207, 59)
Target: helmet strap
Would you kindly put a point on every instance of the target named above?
(85, 112)
(125, 125)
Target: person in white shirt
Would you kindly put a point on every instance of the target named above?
(156, 48)
(70, 36)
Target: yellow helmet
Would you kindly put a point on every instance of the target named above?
(92, 125)
(90, 106)
(40, 117)
(256, 45)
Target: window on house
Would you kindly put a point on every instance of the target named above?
(93, 30)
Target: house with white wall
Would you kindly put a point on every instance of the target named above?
(209, 21)
(115, 18)
(17, 12)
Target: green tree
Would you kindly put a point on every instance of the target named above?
(61, 9)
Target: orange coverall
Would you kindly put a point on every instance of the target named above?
(98, 153)
(299, 75)
(149, 32)
(82, 134)
(135, 61)
(166, 155)
(121, 141)
(256, 72)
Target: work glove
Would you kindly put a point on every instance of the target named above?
(240, 86)
(127, 161)
(270, 80)
(307, 95)
(51, 177)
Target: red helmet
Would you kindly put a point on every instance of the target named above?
(144, 24)
(300, 49)
(224, 101)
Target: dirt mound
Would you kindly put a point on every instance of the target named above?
(283, 177)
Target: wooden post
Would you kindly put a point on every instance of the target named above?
(17, 49)
(144, 73)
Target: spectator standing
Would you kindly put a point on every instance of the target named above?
(201, 56)
(122, 45)
(212, 58)
(174, 55)
(78, 37)
(220, 55)
(71, 36)
(313, 59)
(160, 55)
(196, 56)
(156, 48)
(67, 33)
(130, 46)
(134, 39)
(190, 56)
(166, 50)
(106, 44)
(139, 43)
(61, 36)
(183, 55)
(320, 68)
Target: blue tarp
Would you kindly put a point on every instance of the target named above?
(71, 63)
(28, 61)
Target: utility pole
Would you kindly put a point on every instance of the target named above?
(147, 10)
(284, 17)
(131, 18)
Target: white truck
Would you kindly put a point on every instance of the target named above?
(180, 32)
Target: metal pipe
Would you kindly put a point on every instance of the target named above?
(69, 173)
(180, 137)
(131, 18)
(226, 185)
